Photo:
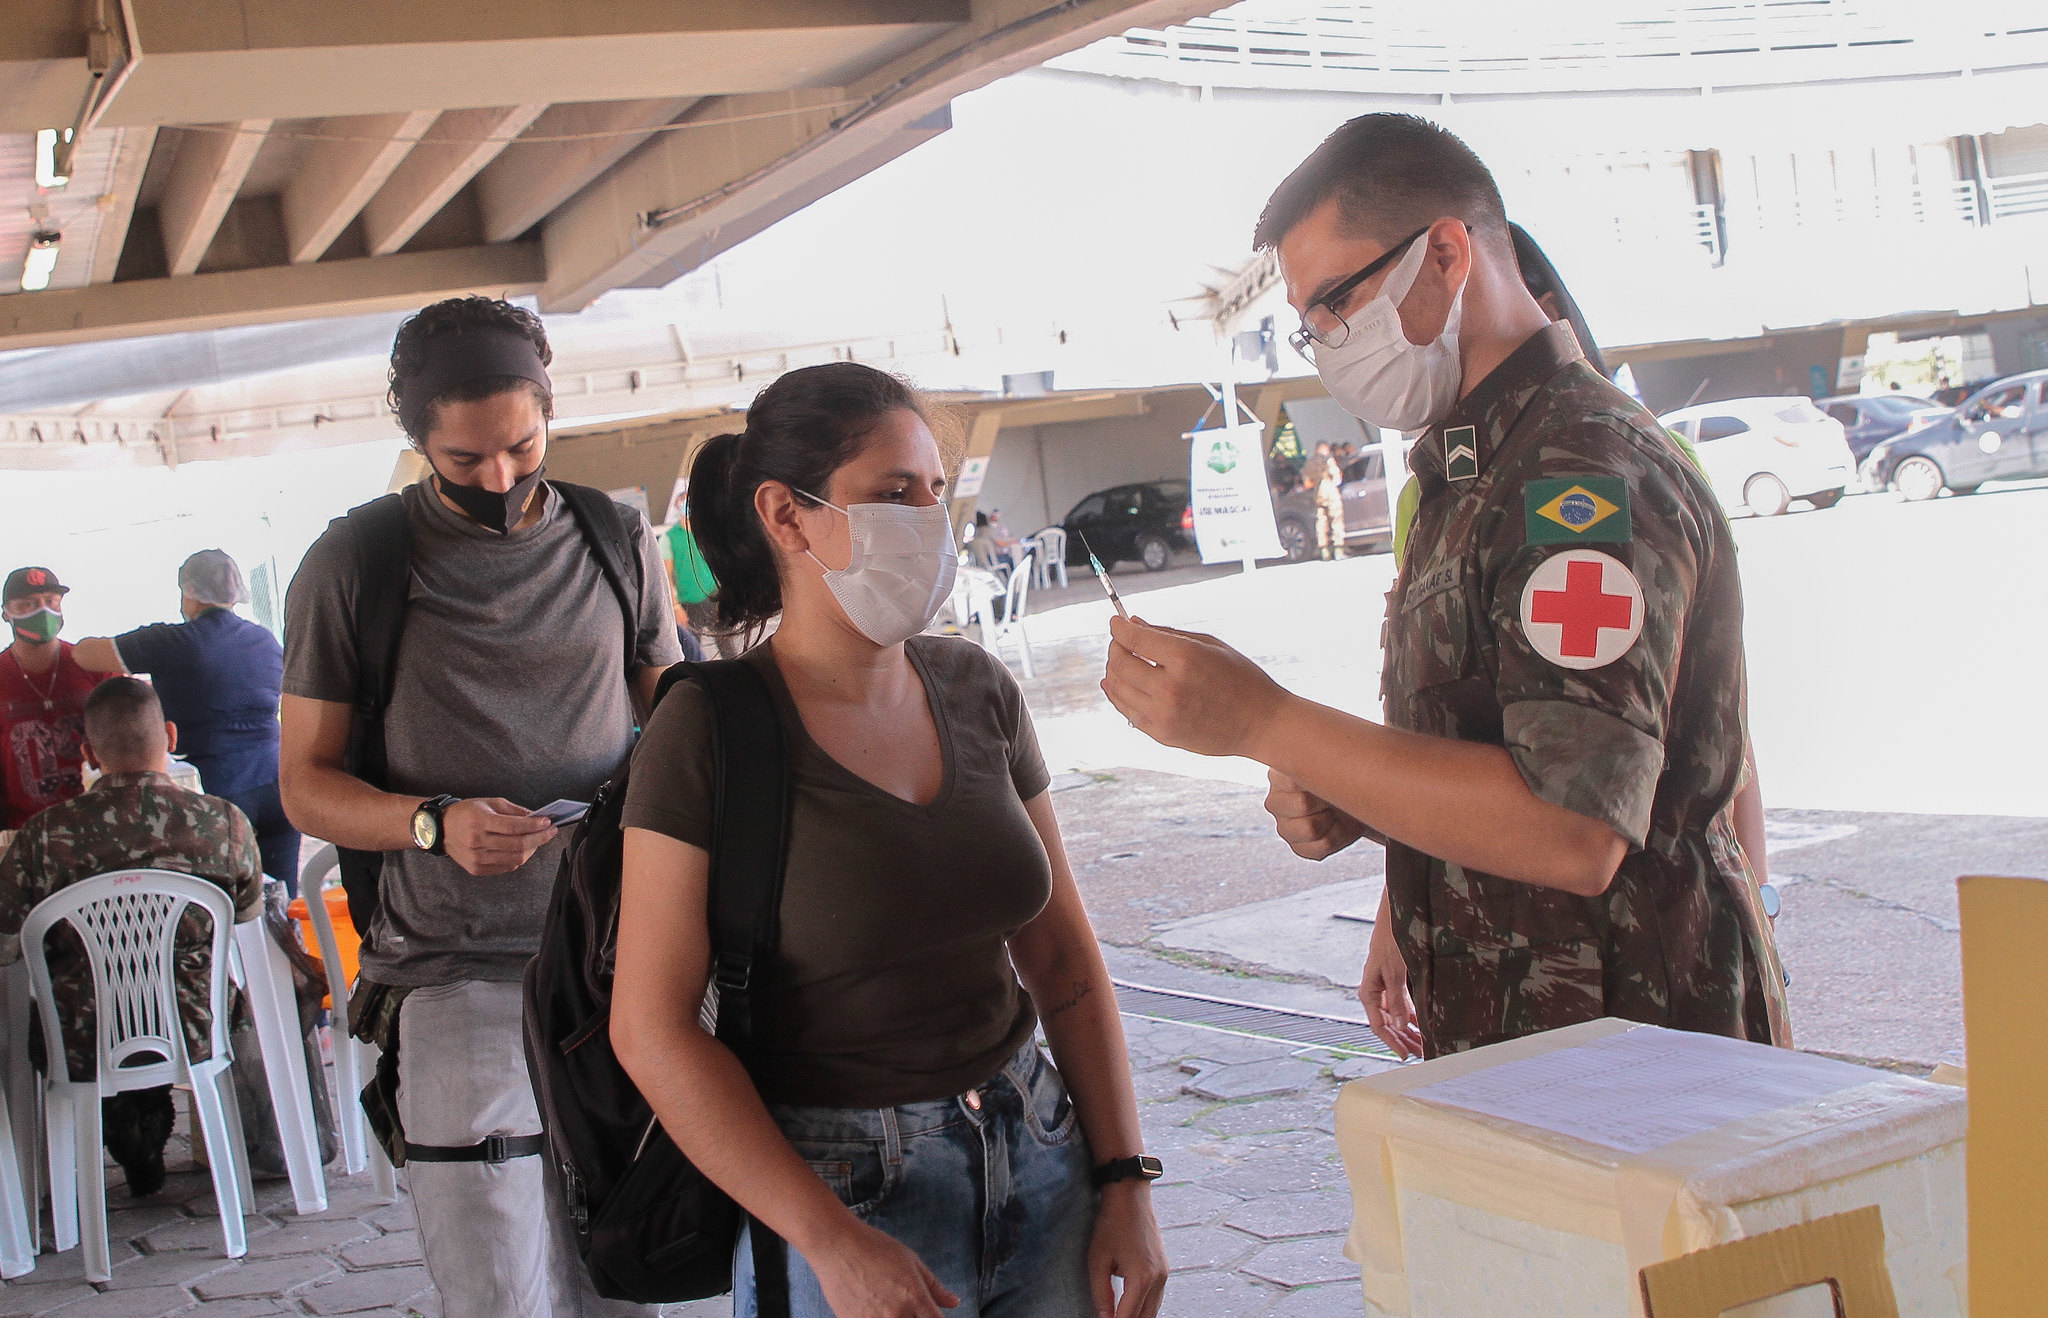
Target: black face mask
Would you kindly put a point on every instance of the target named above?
(498, 512)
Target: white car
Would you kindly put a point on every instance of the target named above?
(1762, 453)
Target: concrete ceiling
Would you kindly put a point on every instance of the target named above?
(244, 161)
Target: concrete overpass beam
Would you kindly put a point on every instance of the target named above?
(240, 297)
(342, 173)
(212, 162)
(131, 162)
(213, 60)
(536, 174)
(459, 145)
(691, 194)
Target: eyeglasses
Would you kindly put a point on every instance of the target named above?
(22, 605)
(1321, 325)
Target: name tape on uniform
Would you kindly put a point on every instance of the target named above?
(1433, 581)
(1582, 609)
(1576, 510)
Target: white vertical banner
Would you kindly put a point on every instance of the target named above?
(1233, 505)
(973, 474)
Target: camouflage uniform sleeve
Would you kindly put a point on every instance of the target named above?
(1592, 739)
(21, 887)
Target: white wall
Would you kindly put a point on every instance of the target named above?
(1037, 473)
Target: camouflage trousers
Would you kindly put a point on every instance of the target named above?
(1330, 525)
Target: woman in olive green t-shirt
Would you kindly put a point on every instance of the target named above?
(899, 1127)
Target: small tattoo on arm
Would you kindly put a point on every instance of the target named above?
(1081, 989)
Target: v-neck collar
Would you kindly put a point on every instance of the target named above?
(793, 720)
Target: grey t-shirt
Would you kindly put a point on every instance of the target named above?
(510, 682)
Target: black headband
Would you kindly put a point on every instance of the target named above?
(478, 353)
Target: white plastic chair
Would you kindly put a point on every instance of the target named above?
(18, 1244)
(261, 968)
(973, 587)
(353, 1059)
(128, 921)
(24, 1113)
(1051, 554)
(1003, 617)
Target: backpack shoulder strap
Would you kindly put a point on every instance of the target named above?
(749, 846)
(749, 835)
(382, 533)
(610, 536)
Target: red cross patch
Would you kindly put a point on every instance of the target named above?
(1582, 609)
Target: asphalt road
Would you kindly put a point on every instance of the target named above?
(1896, 699)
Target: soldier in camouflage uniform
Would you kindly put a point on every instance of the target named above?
(1649, 742)
(1563, 687)
(1325, 479)
(134, 817)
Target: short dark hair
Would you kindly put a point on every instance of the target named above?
(123, 719)
(1390, 175)
(803, 427)
(452, 316)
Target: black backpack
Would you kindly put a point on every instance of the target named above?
(383, 544)
(650, 1226)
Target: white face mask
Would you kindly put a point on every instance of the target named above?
(902, 569)
(1378, 375)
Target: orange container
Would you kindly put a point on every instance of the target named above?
(345, 935)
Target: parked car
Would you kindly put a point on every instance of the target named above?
(1762, 453)
(1365, 509)
(1999, 433)
(1870, 419)
(1145, 521)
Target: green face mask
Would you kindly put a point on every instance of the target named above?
(40, 627)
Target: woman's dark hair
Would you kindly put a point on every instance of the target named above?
(1539, 276)
(800, 430)
(409, 354)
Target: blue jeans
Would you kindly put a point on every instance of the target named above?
(276, 839)
(991, 1189)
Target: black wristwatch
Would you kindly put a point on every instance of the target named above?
(1142, 1167)
(427, 833)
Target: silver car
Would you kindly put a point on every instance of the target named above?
(1365, 509)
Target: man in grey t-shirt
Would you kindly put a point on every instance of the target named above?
(511, 690)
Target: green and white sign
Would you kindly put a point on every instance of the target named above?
(1227, 488)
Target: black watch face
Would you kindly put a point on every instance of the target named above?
(426, 829)
(1150, 1167)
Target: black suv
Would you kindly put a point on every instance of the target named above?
(1146, 521)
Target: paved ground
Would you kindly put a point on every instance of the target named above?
(1900, 741)
(1253, 1203)
(1897, 713)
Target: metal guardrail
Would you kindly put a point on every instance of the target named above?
(1950, 203)
(2015, 195)
(1272, 43)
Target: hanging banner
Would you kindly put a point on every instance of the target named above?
(973, 473)
(1227, 488)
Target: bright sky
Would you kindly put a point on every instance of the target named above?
(116, 536)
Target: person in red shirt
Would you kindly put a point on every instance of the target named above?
(42, 698)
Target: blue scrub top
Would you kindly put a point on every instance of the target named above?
(220, 678)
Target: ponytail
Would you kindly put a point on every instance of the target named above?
(730, 536)
(801, 430)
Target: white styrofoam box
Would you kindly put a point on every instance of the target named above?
(1537, 1177)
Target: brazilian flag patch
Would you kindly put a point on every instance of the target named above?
(1576, 510)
